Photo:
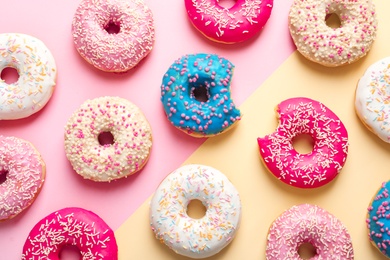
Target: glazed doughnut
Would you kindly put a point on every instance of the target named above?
(308, 224)
(118, 51)
(197, 72)
(238, 23)
(372, 100)
(332, 47)
(71, 226)
(195, 238)
(299, 116)
(22, 173)
(37, 72)
(378, 222)
(127, 152)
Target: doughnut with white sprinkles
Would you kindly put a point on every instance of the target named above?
(299, 116)
(71, 226)
(238, 23)
(120, 49)
(308, 224)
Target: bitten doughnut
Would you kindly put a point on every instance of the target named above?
(238, 23)
(71, 226)
(181, 94)
(308, 224)
(22, 173)
(372, 103)
(299, 116)
(113, 35)
(378, 222)
(37, 72)
(127, 133)
(332, 47)
(195, 238)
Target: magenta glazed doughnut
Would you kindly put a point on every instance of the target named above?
(22, 174)
(299, 116)
(238, 23)
(71, 226)
(308, 224)
(131, 40)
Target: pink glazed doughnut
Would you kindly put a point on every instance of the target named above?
(238, 23)
(299, 116)
(308, 224)
(71, 226)
(22, 173)
(113, 51)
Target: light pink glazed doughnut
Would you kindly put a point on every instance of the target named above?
(129, 149)
(238, 23)
(115, 50)
(22, 173)
(71, 226)
(299, 116)
(308, 224)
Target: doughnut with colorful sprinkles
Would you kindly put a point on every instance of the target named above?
(372, 99)
(195, 238)
(22, 174)
(195, 93)
(71, 226)
(107, 138)
(238, 23)
(113, 35)
(308, 224)
(378, 222)
(37, 72)
(298, 116)
(328, 46)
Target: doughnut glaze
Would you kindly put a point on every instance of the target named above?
(24, 171)
(308, 224)
(318, 42)
(195, 238)
(37, 72)
(113, 52)
(199, 118)
(299, 116)
(238, 23)
(372, 103)
(131, 132)
(71, 226)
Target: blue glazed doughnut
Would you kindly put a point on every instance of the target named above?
(199, 115)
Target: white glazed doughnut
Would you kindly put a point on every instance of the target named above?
(130, 147)
(372, 103)
(318, 42)
(37, 75)
(195, 238)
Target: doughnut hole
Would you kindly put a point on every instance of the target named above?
(10, 75)
(200, 93)
(303, 143)
(70, 252)
(3, 175)
(106, 138)
(226, 3)
(196, 209)
(306, 251)
(112, 27)
(332, 20)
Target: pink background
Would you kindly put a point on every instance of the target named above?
(50, 21)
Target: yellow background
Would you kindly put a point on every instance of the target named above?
(264, 197)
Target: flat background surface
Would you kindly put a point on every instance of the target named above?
(266, 73)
